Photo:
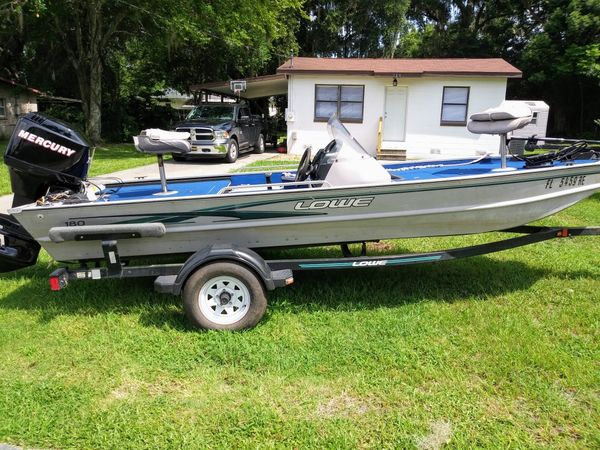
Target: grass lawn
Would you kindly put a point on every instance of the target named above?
(108, 158)
(277, 162)
(497, 351)
(4, 180)
(114, 157)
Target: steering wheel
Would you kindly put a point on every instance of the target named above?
(304, 166)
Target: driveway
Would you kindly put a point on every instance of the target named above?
(173, 169)
(190, 168)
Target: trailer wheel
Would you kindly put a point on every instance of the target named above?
(224, 296)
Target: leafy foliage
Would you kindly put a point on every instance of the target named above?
(353, 28)
(118, 55)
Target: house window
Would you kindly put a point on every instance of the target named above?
(455, 103)
(2, 108)
(344, 100)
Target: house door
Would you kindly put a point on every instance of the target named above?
(394, 118)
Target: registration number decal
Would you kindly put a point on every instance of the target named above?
(578, 180)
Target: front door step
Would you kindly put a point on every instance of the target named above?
(392, 154)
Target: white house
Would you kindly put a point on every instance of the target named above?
(423, 104)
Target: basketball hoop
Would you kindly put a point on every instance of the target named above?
(237, 86)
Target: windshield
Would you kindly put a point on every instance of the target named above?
(204, 112)
(343, 139)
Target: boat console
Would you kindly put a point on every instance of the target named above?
(343, 162)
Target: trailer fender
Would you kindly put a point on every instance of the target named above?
(241, 255)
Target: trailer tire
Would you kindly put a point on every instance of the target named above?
(224, 296)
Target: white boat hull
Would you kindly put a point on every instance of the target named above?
(282, 218)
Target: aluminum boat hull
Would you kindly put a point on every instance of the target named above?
(259, 217)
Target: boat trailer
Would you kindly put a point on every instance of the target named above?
(223, 286)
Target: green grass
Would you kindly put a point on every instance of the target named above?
(108, 158)
(4, 180)
(278, 162)
(114, 157)
(495, 352)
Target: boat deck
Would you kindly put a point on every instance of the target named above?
(145, 191)
(405, 171)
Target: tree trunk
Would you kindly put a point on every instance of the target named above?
(94, 116)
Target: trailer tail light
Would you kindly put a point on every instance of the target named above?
(55, 283)
(58, 279)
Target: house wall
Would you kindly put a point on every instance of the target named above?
(16, 103)
(425, 137)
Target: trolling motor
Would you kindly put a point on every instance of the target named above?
(571, 150)
(43, 155)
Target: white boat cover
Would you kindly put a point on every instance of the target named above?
(157, 141)
(164, 135)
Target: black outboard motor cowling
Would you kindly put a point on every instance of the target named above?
(43, 154)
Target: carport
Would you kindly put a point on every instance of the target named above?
(258, 92)
(257, 87)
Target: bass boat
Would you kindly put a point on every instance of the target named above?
(340, 195)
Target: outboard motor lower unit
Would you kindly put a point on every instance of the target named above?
(43, 155)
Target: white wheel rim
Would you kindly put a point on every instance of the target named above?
(224, 300)
(233, 150)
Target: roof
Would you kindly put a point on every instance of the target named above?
(411, 67)
(21, 86)
(42, 95)
(256, 87)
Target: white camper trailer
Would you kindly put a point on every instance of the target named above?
(539, 124)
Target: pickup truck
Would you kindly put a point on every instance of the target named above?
(222, 130)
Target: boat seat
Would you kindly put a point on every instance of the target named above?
(156, 141)
(501, 119)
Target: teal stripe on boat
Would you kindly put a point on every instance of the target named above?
(390, 262)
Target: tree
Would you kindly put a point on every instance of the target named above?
(561, 62)
(182, 41)
(471, 28)
(353, 28)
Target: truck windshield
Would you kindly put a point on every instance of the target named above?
(203, 112)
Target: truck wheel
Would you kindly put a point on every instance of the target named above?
(260, 144)
(178, 157)
(224, 296)
(232, 151)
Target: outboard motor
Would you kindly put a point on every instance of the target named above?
(43, 155)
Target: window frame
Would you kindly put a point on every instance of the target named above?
(3, 102)
(339, 103)
(534, 118)
(455, 123)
